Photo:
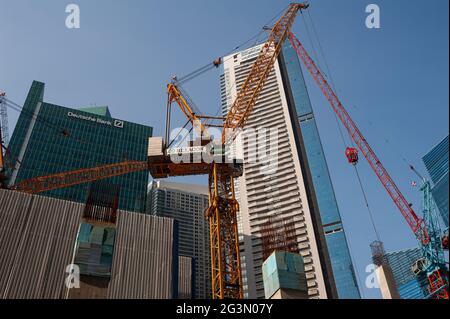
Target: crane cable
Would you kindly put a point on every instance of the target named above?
(210, 66)
(392, 148)
(199, 71)
(256, 42)
(342, 136)
(340, 127)
(184, 79)
(178, 134)
(327, 74)
(386, 140)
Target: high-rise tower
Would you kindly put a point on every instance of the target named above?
(51, 139)
(186, 203)
(298, 189)
(436, 162)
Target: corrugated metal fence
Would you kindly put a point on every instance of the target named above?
(185, 277)
(37, 241)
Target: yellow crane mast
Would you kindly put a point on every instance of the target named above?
(223, 206)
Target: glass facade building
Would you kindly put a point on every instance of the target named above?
(300, 187)
(94, 250)
(50, 139)
(436, 162)
(409, 286)
(186, 203)
(343, 271)
(413, 289)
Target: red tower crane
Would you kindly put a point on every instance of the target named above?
(438, 288)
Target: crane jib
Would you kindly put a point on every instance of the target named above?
(415, 223)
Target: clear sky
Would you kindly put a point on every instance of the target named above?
(393, 80)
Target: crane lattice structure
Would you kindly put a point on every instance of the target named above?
(4, 120)
(223, 206)
(424, 229)
(4, 136)
(432, 263)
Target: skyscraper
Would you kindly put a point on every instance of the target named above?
(186, 204)
(436, 162)
(51, 139)
(299, 189)
(400, 262)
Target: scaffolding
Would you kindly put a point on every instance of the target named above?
(278, 234)
(378, 253)
(102, 203)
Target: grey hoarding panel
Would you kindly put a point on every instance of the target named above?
(37, 241)
(185, 277)
(42, 249)
(143, 257)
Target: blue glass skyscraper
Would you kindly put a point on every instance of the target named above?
(50, 139)
(436, 162)
(409, 286)
(299, 192)
(343, 271)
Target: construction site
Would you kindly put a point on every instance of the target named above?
(94, 205)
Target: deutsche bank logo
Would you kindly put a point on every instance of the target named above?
(118, 123)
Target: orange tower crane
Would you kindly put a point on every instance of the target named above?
(223, 207)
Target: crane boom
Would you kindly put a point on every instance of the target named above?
(223, 206)
(415, 223)
(175, 94)
(249, 92)
(76, 177)
(423, 229)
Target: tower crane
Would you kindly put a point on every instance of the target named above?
(432, 262)
(223, 206)
(424, 230)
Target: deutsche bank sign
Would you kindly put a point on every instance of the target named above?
(115, 123)
(118, 123)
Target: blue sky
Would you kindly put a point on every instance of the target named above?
(393, 80)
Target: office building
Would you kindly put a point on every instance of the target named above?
(415, 288)
(299, 188)
(135, 258)
(408, 285)
(186, 204)
(50, 139)
(436, 162)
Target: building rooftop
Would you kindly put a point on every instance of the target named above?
(97, 110)
(188, 188)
